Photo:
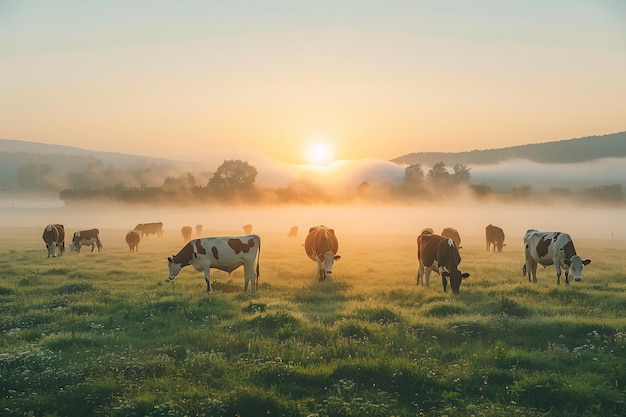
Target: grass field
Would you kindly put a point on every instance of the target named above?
(104, 334)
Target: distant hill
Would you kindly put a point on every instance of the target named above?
(558, 152)
(18, 153)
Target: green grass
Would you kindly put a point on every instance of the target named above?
(106, 335)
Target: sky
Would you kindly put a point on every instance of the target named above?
(370, 79)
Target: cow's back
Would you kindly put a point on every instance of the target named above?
(433, 248)
(320, 240)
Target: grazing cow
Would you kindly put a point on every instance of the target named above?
(148, 229)
(54, 238)
(223, 253)
(551, 248)
(89, 237)
(247, 229)
(198, 230)
(439, 254)
(453, 234)
(293, 232)
(186, 232)
(133, 238)
(494, 236)
(321, 245)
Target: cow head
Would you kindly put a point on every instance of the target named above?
(576, 263)
(456, 277)
(499, 246)
(52, 249)
(174, 268)
(326, 263)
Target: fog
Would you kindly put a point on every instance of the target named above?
(469, 217)
(351, 173)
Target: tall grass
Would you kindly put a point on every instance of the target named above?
(106, 335)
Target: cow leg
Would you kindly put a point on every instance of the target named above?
(207, 278)
(249, 277)
(321, 271)
(426, 278)
(420, 274)
(444, 281)
(557, 268)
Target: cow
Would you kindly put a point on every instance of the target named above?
(247, 229)
(89, 237)
(551, 248)
(148, 229)
(321, 245)
(293, 232)
(224, 253)
(198, 230)
(494, 236)
(453, 234)
(133, 238)
(439, 254)
(54, 238)
(186, 232)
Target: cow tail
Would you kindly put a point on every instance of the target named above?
(258, 263)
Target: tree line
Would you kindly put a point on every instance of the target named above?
(235, 180)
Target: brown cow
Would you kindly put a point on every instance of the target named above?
(133, 238)
(321, 245)
(452, 233)
(198, 230)
(186, 232)
(147, 229)
(439, 254)
(293, 232)
(54, 238)
(89, 237)
(494, 236)
(247, 229)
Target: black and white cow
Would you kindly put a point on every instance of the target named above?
(439, 254)
(224, 253)
(89, 237)
(54, 238)
(552, 248)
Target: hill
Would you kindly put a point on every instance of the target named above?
(62, 159)
(557, 152)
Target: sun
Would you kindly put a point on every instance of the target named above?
(320, 153)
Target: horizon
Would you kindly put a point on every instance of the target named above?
(304, 83)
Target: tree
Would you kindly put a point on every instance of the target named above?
(233, 177)
(413, 180)
(28, 177)
(461, 174)
(438, 174)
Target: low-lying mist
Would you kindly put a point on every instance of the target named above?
(467, 215)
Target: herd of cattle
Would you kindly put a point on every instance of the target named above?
(438, 253)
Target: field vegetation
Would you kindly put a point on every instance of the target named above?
(104, 334)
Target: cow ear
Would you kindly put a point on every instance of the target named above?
(337, 257)
(567, 262)
(586, 261)
(465, 275)
(170, 259)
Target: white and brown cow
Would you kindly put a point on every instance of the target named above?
(133, 238)
(452, 233)
(552, 248)
(147, 229)
(89, 237)
(186, 232)
(494, 235)
(54, 238)
(224, 253)
(439, 254)
(321, 245)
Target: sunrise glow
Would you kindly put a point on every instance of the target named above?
(320, 153)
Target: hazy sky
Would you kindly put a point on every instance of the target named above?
(376, 79)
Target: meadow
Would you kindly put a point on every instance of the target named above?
(104, 334)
